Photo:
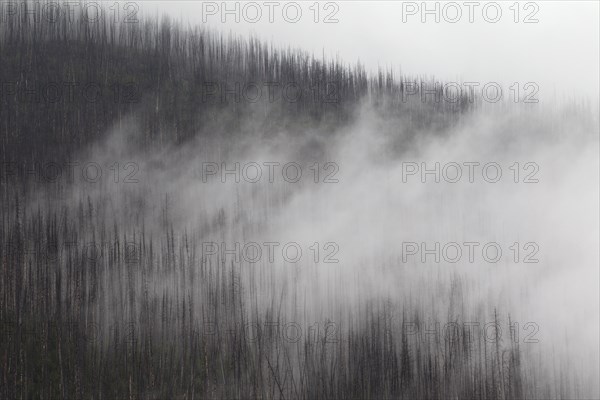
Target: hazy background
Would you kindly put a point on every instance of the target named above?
(560, 52)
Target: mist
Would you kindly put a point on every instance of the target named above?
(366, 195)
(371, 238)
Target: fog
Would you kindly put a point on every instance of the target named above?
(372, 204)
(381, 241)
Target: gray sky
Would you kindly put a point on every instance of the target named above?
(560, 52)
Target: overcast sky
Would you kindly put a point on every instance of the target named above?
(560, 52)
